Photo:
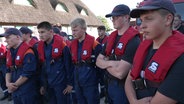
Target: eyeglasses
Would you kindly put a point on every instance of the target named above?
(115, 17)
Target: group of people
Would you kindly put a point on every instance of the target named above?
(132, 70)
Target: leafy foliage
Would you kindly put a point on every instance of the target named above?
(105, 22)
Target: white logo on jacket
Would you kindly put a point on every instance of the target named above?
(85, 52)
(153, 66)
(120, 45)
(56, 50)
(18, 58)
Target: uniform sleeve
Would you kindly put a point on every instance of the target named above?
(68, 65)
(29, 65)
(43, 75)
(97, 50)
(173, 85)
(8, 70)
(131, 49)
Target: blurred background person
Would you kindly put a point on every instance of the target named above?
(102, 35)
(177, 24)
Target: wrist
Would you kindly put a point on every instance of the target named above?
(7, 84)
(133, 101)
(16, 84)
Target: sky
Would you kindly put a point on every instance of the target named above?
(103, 7)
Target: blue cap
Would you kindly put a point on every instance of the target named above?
(119, 10)
(25, 30)
(153, 5)
(56, 30)
(11, 31)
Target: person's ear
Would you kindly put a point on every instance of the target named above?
(169, 19)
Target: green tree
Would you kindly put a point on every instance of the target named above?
(105, 22)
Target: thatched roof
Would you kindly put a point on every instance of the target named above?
(44, 10)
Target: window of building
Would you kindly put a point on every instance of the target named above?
(61, 7)
(81, 10)
(24, 2)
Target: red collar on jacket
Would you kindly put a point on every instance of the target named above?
(104, 40)
(23, 48)
(57, 47)
(33, 41)
(86, 48)
(161, 61)
(121, 45)
(2, 51)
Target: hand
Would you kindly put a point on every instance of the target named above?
(106, 58)
(11, 87)
(68, 89)
(42, 90)
(145, 100)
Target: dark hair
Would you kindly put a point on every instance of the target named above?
(101, 28)
(46, 25)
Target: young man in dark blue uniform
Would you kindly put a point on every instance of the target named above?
(33, 42)
(102, 39)
(21, 68)
(157, 73)
(118, 53)
(57, 64)
(84, 49)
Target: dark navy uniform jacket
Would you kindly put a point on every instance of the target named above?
(58, 71)
(86, 74)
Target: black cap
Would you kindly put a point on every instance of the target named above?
(119, 10)
(153, 5)
(11, 31)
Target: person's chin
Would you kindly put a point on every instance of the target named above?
(76, 37)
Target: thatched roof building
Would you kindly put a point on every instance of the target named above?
(45, 10)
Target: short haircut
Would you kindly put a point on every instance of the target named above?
(79, 22)
(101, 28)
(164, 12)
(46, 25)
